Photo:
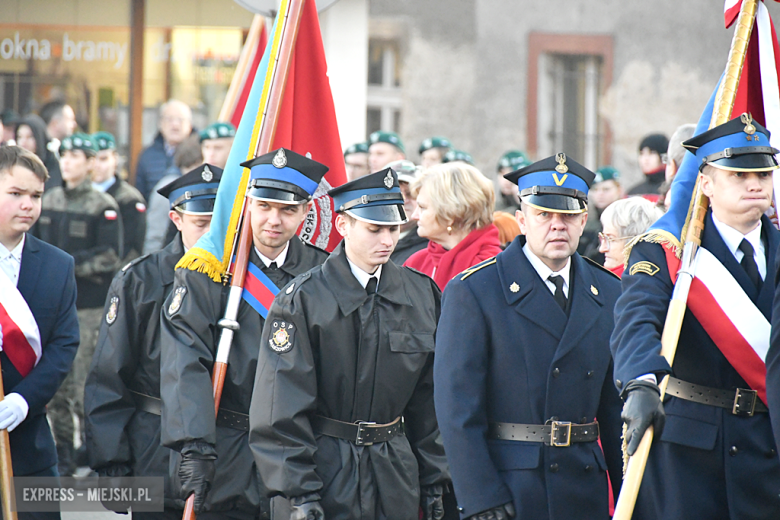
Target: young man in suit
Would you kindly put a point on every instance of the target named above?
(714, 457)
(44, 277)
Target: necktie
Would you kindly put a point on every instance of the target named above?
(371, 285)
(560, 297)
(272, 266)
(749, 263)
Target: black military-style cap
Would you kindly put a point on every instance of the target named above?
(740, 145)
(375, 199)
(557, 183)
(195, 192)
(284, 176)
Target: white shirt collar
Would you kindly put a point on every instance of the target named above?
(733, 238)
(11, 261)
(15, 253)
(362, 276)
(103, 186)
(279, 259)
(545, 272)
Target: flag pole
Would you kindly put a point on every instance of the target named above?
(724, 102)
(242, 68)
(287, 22)
(7, 492)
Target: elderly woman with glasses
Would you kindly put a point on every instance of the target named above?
(623, 220)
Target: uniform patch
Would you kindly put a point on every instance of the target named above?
(110, 214)
(281, 337)
(648, 268)
(112, 308)
(140, 207)
(178, 296)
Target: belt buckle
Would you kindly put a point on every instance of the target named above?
(362, 430)
(749, 404)
(562, 428)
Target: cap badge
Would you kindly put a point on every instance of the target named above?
(280, 160)
(389, 181)
(514, 287)
(207, 175)
(748, 120)
(561, 168)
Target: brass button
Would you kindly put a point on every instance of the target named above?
(556, 372)
(589, 374)
(554, 467)
(733, 451)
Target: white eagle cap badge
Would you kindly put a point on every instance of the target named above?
(280, 159)
(561, 160)
(207, 175)
(389, 180)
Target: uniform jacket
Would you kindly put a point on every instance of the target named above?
(506, 352)
(407, 246)
(86, 224)
(353, 357)
(133, 210)
(697, 440)
(127, 360)
(47, 283)
(189, 342)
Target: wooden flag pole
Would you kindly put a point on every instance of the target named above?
(721, 113)
(242, 68)
(288, 19)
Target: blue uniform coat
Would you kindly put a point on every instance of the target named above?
(508, 353)
(709, 464)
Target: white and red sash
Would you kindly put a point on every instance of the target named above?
(728, 315)
(19, 334)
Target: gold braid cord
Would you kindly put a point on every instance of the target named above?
(654, 236)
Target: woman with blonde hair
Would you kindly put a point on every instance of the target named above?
(455, 212)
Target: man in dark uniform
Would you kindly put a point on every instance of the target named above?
(523, 371)
(346, 354)
(121, 402)
(132, 206)
(85, 223)
(716, 456)
(281, 186)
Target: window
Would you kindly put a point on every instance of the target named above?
(383, 111)
(567, 76)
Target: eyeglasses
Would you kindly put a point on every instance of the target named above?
(605, 241)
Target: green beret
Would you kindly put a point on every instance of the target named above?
(435, 142)
(457, 155)
(606, 173)
(79, 141)
(356, 148)
(103, 141)
(513, 159)
(217, 131)
(387, 137)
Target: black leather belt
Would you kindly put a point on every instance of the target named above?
(225, 418)
(742, 402)
(360, 433)
(555, 433)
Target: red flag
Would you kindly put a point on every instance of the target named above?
(307, 125)
(246, 84)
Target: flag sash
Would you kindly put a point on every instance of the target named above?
(20, 338)
(259, 291)
(730, 318)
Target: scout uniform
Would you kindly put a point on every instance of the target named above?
(122, 396)
(190, 334)
(132, 206)
(523, 373)
(716, 457)
(342, 362)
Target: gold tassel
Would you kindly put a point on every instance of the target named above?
(201, 261)
(655, 236)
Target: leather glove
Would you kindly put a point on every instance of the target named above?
(13, 410)
(109, 473)
(504, 512)
(643, 408)
(306, 507)
(196, 471)
(431, 502)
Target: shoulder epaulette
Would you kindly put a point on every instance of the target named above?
(473, 269)
(654, 236)
(601, 267)
(295, 283)
(133, 262)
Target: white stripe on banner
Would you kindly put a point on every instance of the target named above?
(769, 85)
(729, 4)
(740, 309)
(17, 309)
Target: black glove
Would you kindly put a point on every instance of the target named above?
(431, 502)
(643, 408)
(504, 512)
(196, 471)
(107, 476)
(306, 507)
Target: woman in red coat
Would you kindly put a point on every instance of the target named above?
(455, 212)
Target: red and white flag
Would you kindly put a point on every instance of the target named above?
(20, 338)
